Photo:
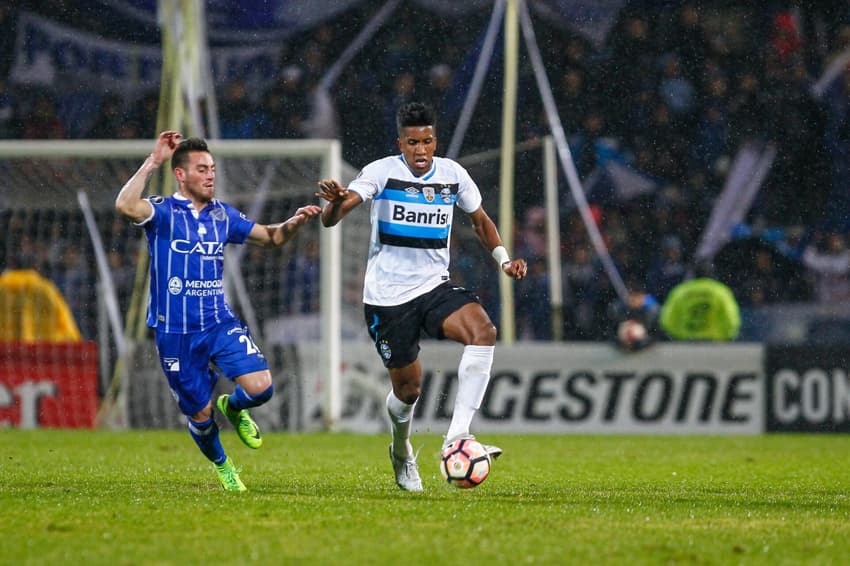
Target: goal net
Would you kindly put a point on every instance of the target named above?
(57, 217)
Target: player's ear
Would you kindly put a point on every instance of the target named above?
(400, 145)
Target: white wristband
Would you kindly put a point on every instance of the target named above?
(500, 254)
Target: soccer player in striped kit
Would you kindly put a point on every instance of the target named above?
(407, 287)
(186, 235)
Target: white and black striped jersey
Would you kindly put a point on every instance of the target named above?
(411, 225)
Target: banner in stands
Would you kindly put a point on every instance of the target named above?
(48, 384)
(46, 53)
(569, 388)
(808, 389)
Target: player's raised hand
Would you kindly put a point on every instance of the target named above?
(165, 145)
(305, 213)
(331, 191)
(516, 268)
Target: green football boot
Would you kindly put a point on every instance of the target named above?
(228, 475)
(245, 426)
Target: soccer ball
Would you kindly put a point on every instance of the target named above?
(464, 463)
(631, 334)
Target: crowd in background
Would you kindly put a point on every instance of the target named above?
(673, 94)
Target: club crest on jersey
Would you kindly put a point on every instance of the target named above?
(428, 193)
(386, 351)
(175, 285)
(171, 364)
(446, 194)
(218, 214)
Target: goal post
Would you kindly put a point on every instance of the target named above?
(297, 290)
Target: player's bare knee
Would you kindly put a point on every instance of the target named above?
(408, 393)
(484, 335)
(255, 383)
(202, 415)
(265, 381)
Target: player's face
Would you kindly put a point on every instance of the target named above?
(417, 145)
(198, 178)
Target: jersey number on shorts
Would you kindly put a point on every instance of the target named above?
(250, 347)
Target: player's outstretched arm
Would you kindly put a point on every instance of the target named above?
(273, 235)
(487, 232)
(340, 201)
(129, 201)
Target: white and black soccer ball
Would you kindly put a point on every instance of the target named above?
(631, 334)
(465, 463)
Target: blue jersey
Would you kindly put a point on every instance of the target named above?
(187, 262)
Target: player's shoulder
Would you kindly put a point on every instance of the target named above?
(379, 167)
(448, 164)
(450, 169)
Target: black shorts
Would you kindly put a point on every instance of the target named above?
(396, 330)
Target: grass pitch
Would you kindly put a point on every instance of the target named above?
(149, 497)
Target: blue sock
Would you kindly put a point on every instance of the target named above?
(205, 435)
(240, 399)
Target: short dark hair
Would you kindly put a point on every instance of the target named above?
(415, 114)
(181, 155)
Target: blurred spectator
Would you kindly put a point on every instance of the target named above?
(9, 119)
(285, 108)
(143, 115)
(748, 111)
(829, 262)
(675, 90)
(573, 99)
(686, 39)
(301, 281)
(580, 276)
(42, 122)
(438, 93)
(531, 240)
(123, 271)
(786, 41)
(403, 91)
(711, 140)
(74, 280)
(533, 305)
(668, 269)
(110, 120)
(238, 117)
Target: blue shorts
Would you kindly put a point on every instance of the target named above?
(186, 359)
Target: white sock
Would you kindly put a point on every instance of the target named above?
(401, 417)
(473, 375)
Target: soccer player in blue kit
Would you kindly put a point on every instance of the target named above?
(407, 287)
(186, 235)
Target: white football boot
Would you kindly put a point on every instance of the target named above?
(406, 472)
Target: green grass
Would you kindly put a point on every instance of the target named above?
(149, 497)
